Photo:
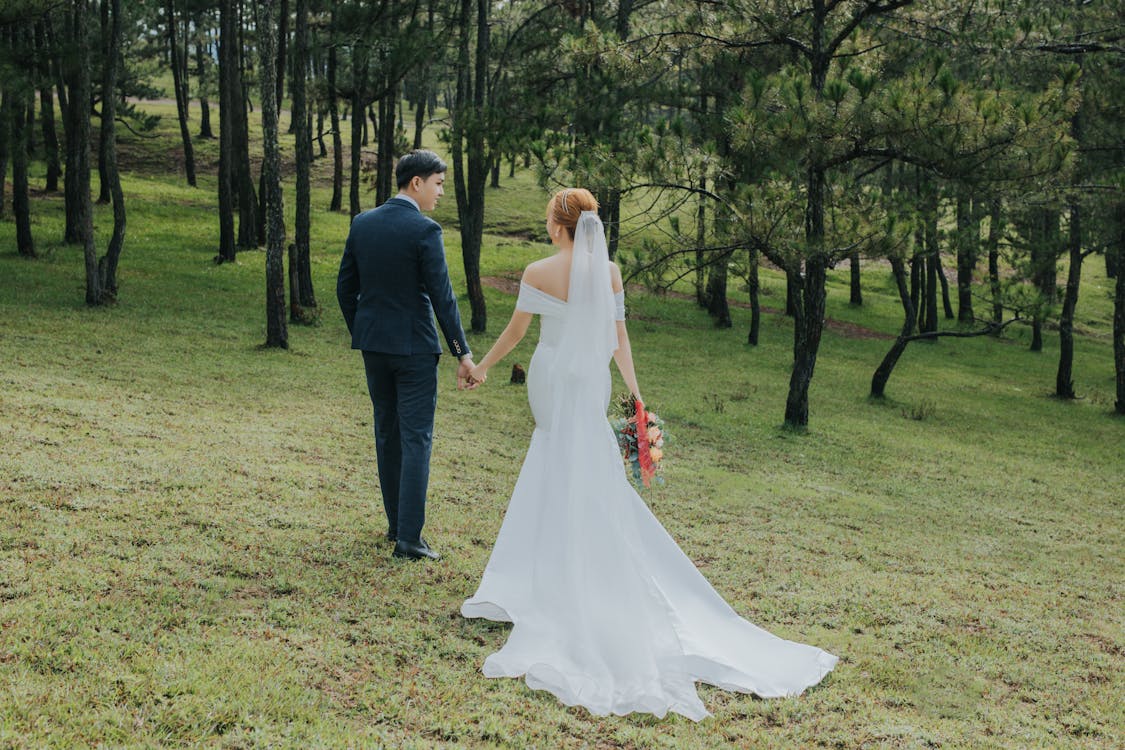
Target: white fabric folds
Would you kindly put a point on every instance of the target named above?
(607, 611)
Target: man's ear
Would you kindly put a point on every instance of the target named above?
(417, 182)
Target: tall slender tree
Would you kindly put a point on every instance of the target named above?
(470, 165)
(178, 66)
(277, 332)
(107, 265)
(305, 299)
(229, 98)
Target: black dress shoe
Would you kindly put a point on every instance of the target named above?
(414, 550)
(392, 537)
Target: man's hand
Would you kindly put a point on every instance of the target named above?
(464, 381)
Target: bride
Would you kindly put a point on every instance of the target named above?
(608, 612)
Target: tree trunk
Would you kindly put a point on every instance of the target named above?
(1119, 311)
(277, 334)
(968, 237)
(246, 200)
(1064, 378)
(357, 144)
(334, 116)
(228, 100)
(6, 117)
(80, 208)
(470, 167)
(282, 47)
(103, 178)
(932, 258)
(419, 120)
(718, 306)
(947, 305)
(856, 297)
(494, 180)
(385, 158)
(701, 240)
(201, 56)
(995, 216)
(298, 86)
(810, 326)
(23, 122)
(792, 291)
(1044, 260)
(107, 266)
(79, 217)
(755, 305)
(57, 70)
(178, 85)
(883, 371)
(47, 110)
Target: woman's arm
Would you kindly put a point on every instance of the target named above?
(624, 359)
(623, 356)
(512, 334)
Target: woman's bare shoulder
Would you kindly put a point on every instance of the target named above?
(615, 277)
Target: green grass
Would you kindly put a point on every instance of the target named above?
(191, 541)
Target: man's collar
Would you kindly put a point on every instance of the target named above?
(411, 201)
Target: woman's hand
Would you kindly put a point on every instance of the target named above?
(478, 375)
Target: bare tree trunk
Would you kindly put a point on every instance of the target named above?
(103, 179)
(1044, 261)
(334, 115)
(297, 84)
(856, 291)
(277, 333)
(228, 100)
(6, 117)
(1119, 311)
(201, 56)
(23, 123)
(247, 201)
(968, 237)
(995, 217)
(80, 204)
(419, 121)
(883, 371)
(947, 305)
(718, 306)
(282, 47)
(701, 239)
(755, 305)
(178, 85)
(1064, 378)
(792, 291)
(470, 101)
(47, 110)
(384, 156)
(107, 266)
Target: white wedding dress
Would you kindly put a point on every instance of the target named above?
(608, 612)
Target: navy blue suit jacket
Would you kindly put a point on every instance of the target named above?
(393, 281)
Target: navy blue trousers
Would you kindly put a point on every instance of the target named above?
(403, 392)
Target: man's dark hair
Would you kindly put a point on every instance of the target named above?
(418, 163)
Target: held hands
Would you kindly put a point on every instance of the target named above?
(478, 375)
(465, 382)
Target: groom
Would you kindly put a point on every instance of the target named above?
(393, 281)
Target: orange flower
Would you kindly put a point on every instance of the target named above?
(653, 434)
(656, 454)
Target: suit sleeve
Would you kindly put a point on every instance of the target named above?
(347, 285)
(435, 275)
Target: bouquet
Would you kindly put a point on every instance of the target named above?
(641, 435)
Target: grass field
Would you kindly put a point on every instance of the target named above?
(191, 541)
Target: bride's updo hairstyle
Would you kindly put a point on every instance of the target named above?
(567, 205)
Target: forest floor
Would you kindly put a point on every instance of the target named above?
(191, 540)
